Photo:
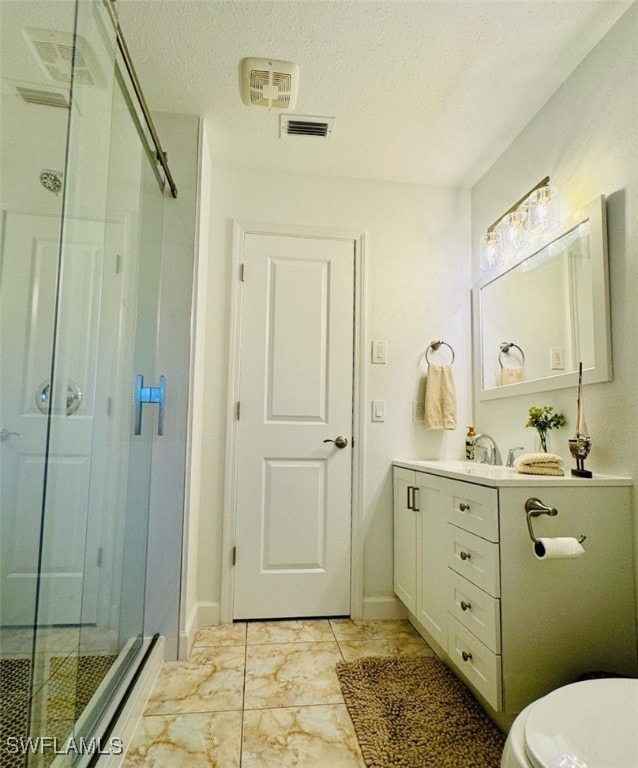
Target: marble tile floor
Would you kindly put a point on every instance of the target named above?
(262, 695)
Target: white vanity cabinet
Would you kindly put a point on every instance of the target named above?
(513, 626)
(420, 561)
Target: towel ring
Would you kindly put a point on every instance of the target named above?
(505, 350)
(435, 345)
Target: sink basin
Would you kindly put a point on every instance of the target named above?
(475, 468)
(497, 475)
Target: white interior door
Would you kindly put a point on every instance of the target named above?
(27, 301)
(293, 512)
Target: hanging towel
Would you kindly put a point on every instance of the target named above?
(510, 375)
(440, 398)
(539, 464)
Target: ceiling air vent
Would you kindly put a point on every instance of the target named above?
(58, 53)
(269, 83)
(44, 98)
(305, 125)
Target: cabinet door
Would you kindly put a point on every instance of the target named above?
(433, 575)
(405, 537)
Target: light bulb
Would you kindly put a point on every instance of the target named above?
(515, 238)
(491, 255)
(544, 205)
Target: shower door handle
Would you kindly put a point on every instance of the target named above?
(149, 395)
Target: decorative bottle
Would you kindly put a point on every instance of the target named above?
(469, 444)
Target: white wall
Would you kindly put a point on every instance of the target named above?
(179, 136)
(190, 619)
(586, 139)
(417, 289)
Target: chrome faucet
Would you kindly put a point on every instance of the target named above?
(491, 453)
(511, 455)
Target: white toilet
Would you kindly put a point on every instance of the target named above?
(590, 724)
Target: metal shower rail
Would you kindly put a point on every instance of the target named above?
(121, 43)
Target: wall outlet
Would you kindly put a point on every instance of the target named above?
(418, 410)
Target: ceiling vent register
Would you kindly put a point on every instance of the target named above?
(44, 98)
(269, 83)
(61, 54)
(305, 125)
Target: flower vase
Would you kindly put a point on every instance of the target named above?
(542, 441)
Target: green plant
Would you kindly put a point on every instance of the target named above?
(543, 418)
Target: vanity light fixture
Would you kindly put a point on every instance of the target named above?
(544, 209)
(536, 212)
(491, 250)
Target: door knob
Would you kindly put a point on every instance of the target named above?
(340, 441)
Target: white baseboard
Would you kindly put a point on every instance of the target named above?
(383, 608)
(204, 614)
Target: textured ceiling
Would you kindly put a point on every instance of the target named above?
(423, 92)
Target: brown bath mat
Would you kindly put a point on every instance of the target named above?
(413, 712)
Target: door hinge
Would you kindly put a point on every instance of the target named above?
(237, 410)
(118, 263)
(234, 555)
(99, 557)
(242, 272)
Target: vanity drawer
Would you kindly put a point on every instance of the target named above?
(474, 508)
(475, 662)
(474, 558)
(476, 610)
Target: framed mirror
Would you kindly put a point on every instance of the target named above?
(535, 320)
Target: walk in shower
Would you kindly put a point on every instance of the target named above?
(82, 199)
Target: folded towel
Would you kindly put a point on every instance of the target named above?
(539, 464)
(440, 398)
(510, 375)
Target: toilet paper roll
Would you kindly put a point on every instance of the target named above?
(562, 546)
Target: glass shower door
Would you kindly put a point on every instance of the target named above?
(79, 292)
(100, 450)
(34, 117)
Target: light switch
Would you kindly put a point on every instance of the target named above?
(557, 358)
(379, 354)
(378, 410)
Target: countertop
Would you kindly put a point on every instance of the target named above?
(499, 476)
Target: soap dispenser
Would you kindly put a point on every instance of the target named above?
(469, 444)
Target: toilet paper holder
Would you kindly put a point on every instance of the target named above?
(534, 508)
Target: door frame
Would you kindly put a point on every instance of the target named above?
(359, 240)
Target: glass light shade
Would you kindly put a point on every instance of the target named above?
(491, 251)
(515, 238)
(544, 210)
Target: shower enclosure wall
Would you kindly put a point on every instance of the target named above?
(82, 201)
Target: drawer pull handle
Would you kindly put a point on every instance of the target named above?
(464, 507)
(465, 606)
(465, 555)
(467, 656)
